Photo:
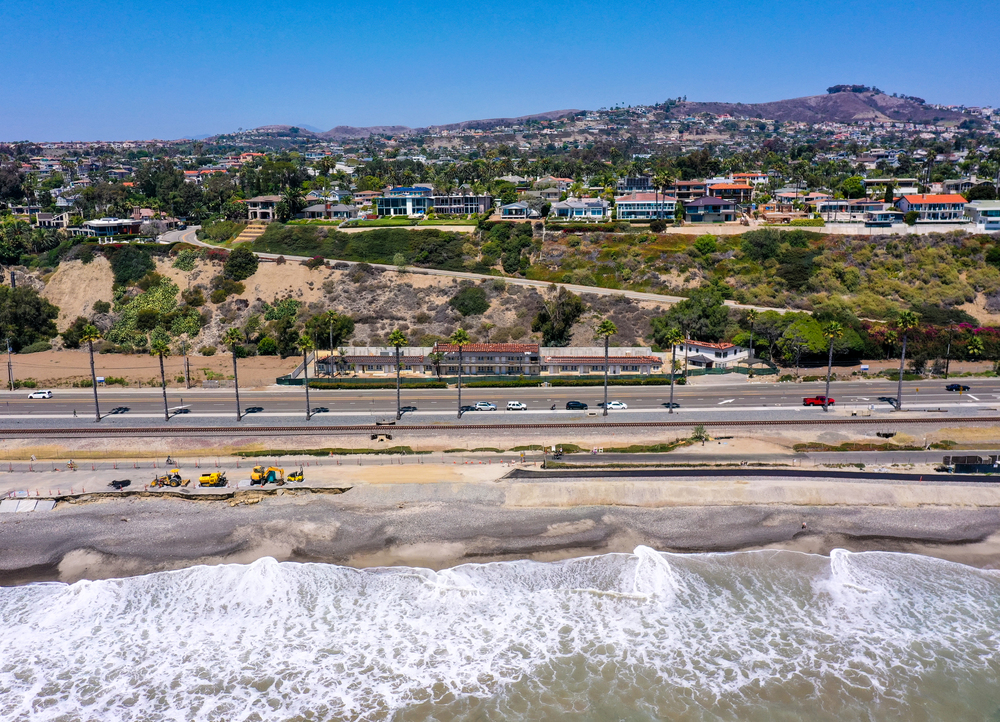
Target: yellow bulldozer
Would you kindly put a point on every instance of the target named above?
(296, 475)
(171, 478)
(215, 478)
(267, 475)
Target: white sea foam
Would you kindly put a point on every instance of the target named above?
(715, 636)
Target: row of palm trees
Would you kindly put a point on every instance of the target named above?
(833, 331)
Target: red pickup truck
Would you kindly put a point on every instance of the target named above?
(818, 401)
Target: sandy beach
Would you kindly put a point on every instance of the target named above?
(438, 516)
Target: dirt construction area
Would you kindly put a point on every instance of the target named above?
(53, 369)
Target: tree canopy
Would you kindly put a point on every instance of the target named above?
(26, 317)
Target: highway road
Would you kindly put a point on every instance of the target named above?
(697, 401)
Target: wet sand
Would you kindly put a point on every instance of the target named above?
(441, 523)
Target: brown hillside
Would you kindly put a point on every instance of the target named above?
(843, 107)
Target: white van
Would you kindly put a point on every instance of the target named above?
(40, 395)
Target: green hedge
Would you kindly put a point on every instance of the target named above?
(365, 384)
(575, 381)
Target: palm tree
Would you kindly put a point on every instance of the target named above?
(832, 332)
(460, 338)
(605, 330)
(673, 337)
(305, 343)
(751, 319)
(905, 322)
(975, 347)
(91, 334)
(161, 348)
(397, 339)
(232, 340)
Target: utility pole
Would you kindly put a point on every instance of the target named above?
(187, 368)
(10, 367)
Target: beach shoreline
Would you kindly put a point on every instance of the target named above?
(478, 517)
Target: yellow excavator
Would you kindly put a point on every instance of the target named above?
(215, 478)
(267, 475)
(171, 478)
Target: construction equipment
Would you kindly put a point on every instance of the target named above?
(296, 476)
(171, 478)
(270, 475)
(215, 478)
(120, 483)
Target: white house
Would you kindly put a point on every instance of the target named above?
(985, 214)
(581, 208)
(702, 354)
(645, 206)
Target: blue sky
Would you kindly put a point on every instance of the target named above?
(103, 69)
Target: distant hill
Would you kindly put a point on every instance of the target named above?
(837, 107)
(346, 131)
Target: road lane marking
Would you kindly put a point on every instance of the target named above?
(727, 401)
(972, 397)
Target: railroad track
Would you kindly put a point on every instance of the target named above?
(376, 429)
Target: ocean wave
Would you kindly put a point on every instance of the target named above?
(747, 635)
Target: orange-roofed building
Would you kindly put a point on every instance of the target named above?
(739, 192)
(947, 208)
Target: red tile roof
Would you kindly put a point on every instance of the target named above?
(732, 187)
(488, 348)
(705, 344)
(928, 198)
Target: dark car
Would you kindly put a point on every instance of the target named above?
(407, 409)
(891, 400)
(956, 387)
(467, 408)
(576, 406)
(669, 405)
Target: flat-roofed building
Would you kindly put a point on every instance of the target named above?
(646, 206)
(985, 214)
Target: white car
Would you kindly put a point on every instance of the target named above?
(40, 395)
(516, 406)
(616, 405)
(485, 406)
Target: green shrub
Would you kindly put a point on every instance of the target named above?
(220, 231)
(36, 347)
(241, 264)
(817, 222)
(225, 287)
(129, 264)
(186, 260)
(911, 218)
(71, 336)
(115, 381)
(470, 301)
(147, 319)
(285, 308)
(102, 307)
(207, 350)
(160, 299)
(25, 384)
(705, 244)
(193, 297)
(267, 346)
